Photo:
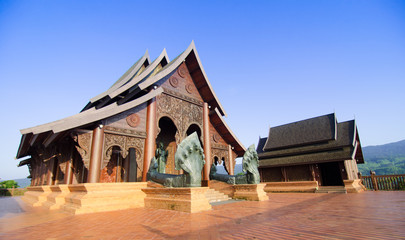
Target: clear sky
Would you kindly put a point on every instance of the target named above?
(269, 62)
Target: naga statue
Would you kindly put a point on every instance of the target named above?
(250, 164)
(161, 155)
(189, 157)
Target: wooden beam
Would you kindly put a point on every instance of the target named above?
(33, 139)
(50, 139)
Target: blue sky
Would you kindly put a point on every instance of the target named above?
(269, 62)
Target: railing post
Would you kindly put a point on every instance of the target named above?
(374, 180)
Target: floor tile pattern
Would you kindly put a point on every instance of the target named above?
(369, 215)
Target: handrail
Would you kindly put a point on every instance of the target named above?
(384, 182)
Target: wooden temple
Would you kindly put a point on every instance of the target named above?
(114, 137)
(308, 154)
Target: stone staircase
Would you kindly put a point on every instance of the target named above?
(214, 196)
(331, 189)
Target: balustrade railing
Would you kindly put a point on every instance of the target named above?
(384, 182)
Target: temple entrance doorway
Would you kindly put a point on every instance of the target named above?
(115, 170)
(167, 136)
(194, 128)
(330, 174)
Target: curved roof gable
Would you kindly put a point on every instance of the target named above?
(162, 60)
(192, 60)
(130, 73)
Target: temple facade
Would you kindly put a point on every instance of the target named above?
(319, 150)
(115, 136)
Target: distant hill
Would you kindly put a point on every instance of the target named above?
(384, 159)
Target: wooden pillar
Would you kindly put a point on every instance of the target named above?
(230, 156)
(126, 167)
(207, 144)
(374, 180)
(96, 155)
(69, 173)
(51, 165)
(34, 180)
(133, 168)
(150, 142)
(43, 171)
(284, 172)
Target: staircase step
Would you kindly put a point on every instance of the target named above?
(214, 196)
(331, 189)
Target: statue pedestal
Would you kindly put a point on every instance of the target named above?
(189, 200)
(250, 192)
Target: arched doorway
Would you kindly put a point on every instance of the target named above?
(220, 165)
(115, 170)
(194, 128)
(167, 136)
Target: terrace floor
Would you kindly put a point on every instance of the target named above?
(368, 215)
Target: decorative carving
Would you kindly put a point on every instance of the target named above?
(133, 120)
(111, 140)
(127, 132)
(182, 113)
(182, 71)
(216, 137)
(125, 143)
(183, 97)
(83, 146)
(174, 81)
(220, 154)
(219, 146)
(189, 88)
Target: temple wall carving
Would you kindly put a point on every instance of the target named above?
(83, 145)
(182, 112)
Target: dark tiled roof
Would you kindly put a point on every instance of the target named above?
(310, 131)
(345, 146)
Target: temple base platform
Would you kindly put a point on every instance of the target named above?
(87, 197)
(36, 196)
(189, 200)
(250, 192)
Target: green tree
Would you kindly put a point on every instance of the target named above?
(9, 184)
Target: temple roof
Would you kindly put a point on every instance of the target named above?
(136, 86)
(313, 130)
(133, 71)
(260, 145)
(331, 141)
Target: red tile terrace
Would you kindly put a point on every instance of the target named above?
(369, 215)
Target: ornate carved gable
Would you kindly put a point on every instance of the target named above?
(182, 112)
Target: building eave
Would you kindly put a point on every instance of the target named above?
(226, 132)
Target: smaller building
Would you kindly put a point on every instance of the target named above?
(318, 149)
